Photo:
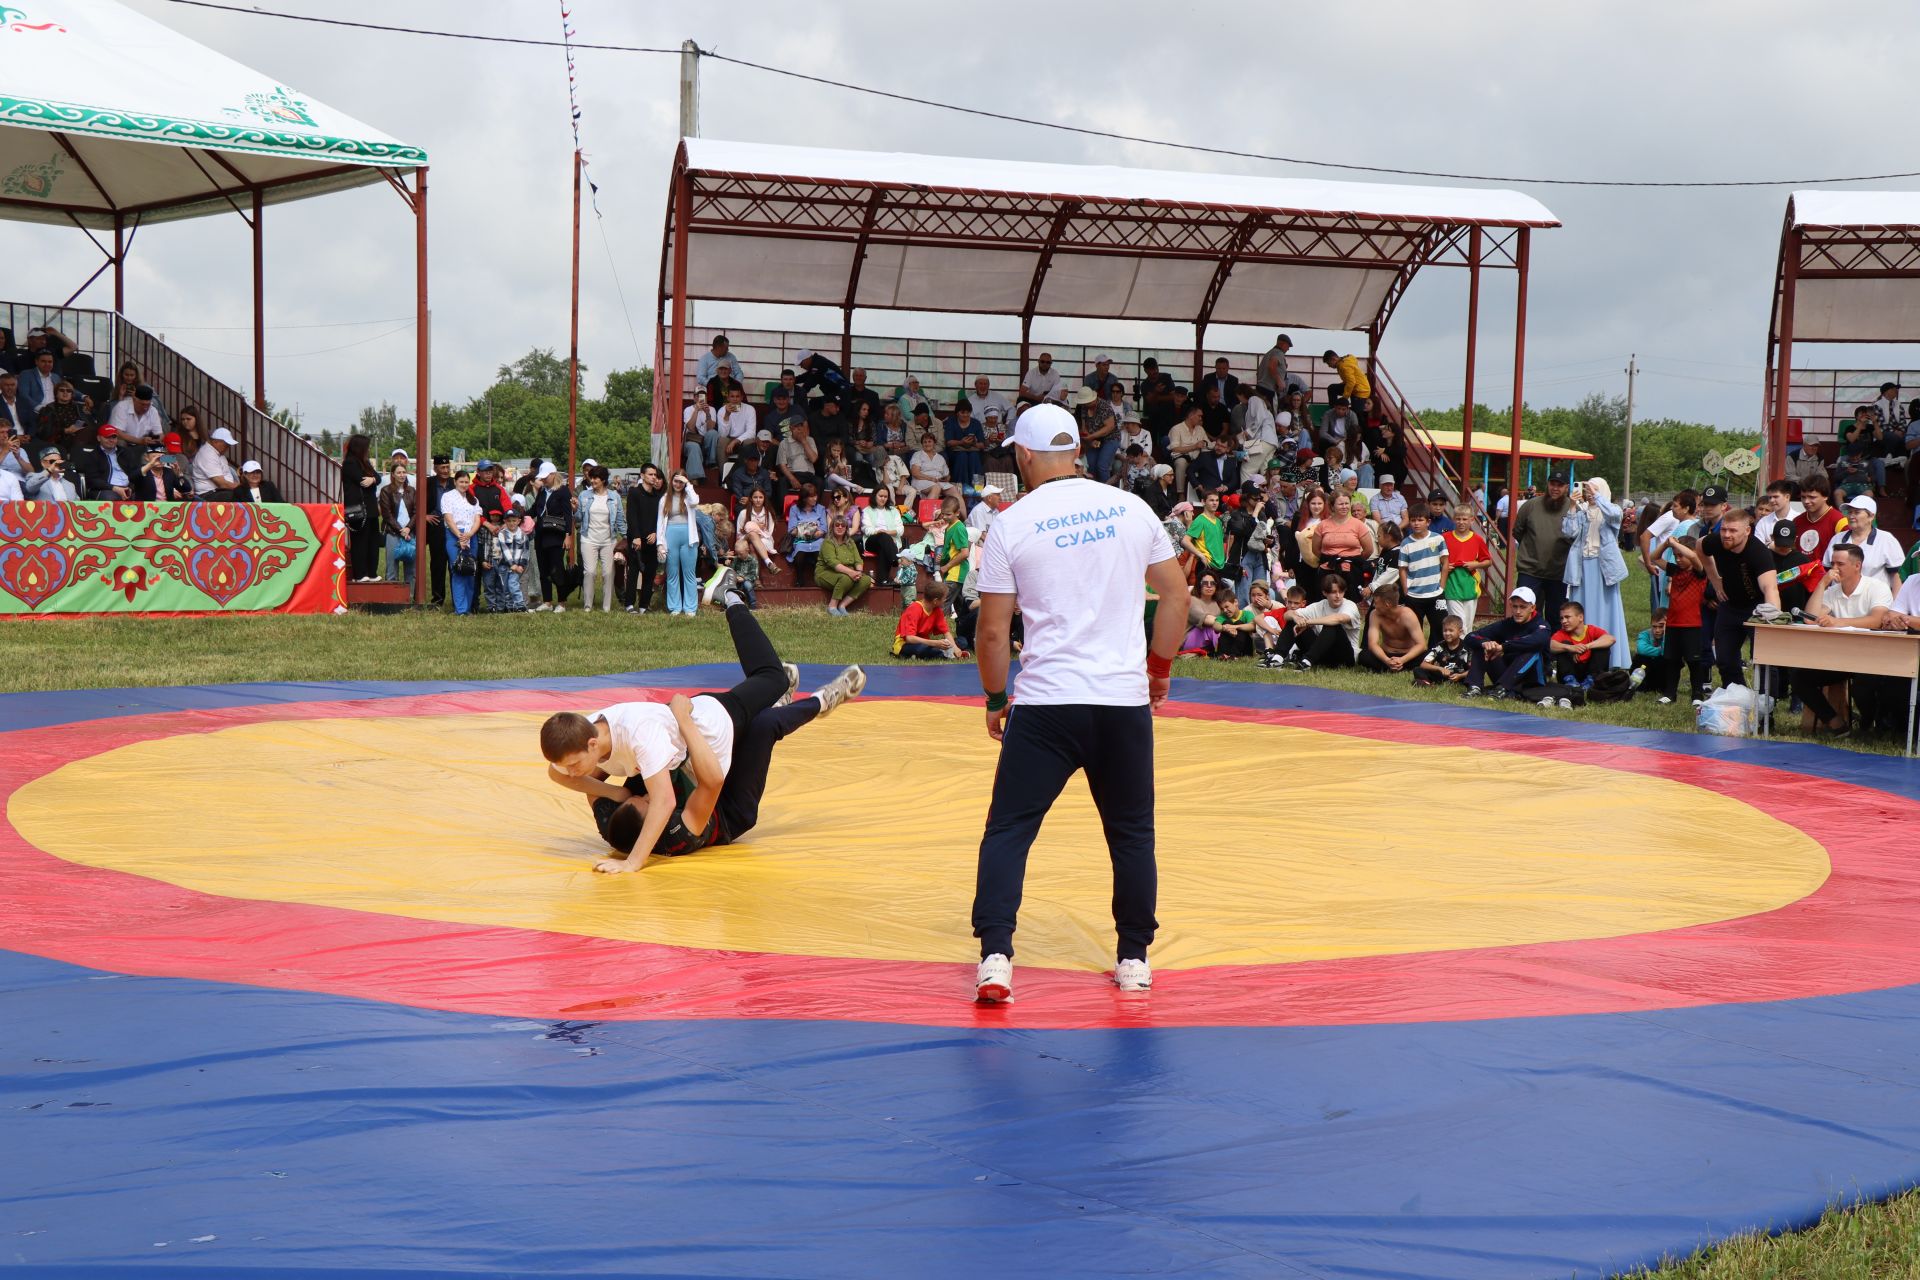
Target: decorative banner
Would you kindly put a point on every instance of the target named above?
(171, 558)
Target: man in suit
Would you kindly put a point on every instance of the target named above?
(1228, 384)
(254, 486)
(14, 412)
(108, 468)
(37, 383)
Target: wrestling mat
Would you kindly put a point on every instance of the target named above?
(304, 980)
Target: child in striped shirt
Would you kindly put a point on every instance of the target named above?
(1423, 569)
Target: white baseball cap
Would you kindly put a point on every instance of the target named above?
(803, 355)
(990, 490)
(546, 469)
(251, 468)
(1864, 503)
(1046, 428)
(1387, 480)
(590, 462)
(223, 436)
(1522, 593)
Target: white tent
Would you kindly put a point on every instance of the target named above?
(118, 119)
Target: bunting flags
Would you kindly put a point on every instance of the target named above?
(567, 34)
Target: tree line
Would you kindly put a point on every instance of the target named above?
(523, 414)
(1667, 454)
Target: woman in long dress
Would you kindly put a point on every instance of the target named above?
(1595, 567)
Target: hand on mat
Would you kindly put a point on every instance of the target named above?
(614, 866)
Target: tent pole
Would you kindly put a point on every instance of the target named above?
(682, 196)
(573, 340)
(1026, 340)
(1473, 337)
(1199, 352)
(1519, 377)
(1783, 361)
(119, 259)
(259, 304)
(422, 406)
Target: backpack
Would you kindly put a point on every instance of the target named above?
(1612, 685)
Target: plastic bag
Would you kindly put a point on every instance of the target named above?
(1729, 711)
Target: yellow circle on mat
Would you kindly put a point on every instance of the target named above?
(1276, 844)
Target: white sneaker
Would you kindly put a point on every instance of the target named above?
(793, 682)
(1133, 975)
(993, 983)
(1547, 702)
(559, 608)
(1566, 704)
(544, 608)
(1665, 701)
(847, 684)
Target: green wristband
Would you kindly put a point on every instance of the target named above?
(996, 701)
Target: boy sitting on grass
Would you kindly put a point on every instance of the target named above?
(1574, 645)
(1446, 662)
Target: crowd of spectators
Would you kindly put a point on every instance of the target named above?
(69, 436)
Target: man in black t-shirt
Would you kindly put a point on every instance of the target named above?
(1743, 578)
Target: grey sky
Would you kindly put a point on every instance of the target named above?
(1628, 90)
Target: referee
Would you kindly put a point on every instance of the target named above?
(1077, 556)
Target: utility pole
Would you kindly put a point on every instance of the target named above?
(489, 426)
(689, 119)
(1626, 481)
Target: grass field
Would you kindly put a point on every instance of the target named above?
(1876, 1242)
(112, 651)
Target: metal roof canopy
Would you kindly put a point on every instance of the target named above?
(750, 222)
(110, 120)
(1848, 271)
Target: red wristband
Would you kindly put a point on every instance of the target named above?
(1158, 667)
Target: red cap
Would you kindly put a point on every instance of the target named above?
(108, 430)
(171, 442)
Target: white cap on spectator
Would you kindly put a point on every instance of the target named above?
(1522, 593)
(1046, 428)
(803, 355)
(990, 490)
(546, 469)
(1387, 480)
(400, 453)
(223, 436)
(1864, 503)
(590, 462)
(766, 435)
(1103, 358)
(1161, 469)
(251, 468)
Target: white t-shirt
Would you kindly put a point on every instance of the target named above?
(1045, 385)
(927, 464)
(208, 462)
(462, 515)
(1883, 556)
(1076, 554)
(646, 737)
(1908, 601)
(1348, 613)
(10, 490)
(1869, 594)
(741, 423)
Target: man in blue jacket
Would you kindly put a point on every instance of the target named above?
(1513, 650)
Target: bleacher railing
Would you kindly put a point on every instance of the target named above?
(1824, 399)
(303, 472)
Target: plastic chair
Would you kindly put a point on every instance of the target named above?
(927, 509)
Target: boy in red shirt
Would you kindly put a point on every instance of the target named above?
(922, 632)
(1686, 624)
(1574, 645)
(1816, 526)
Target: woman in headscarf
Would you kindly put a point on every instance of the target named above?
(1595, 567)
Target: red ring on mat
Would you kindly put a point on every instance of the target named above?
(1849, 935)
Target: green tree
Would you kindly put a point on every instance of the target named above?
(539, 371)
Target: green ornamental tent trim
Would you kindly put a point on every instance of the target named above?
(111, 122)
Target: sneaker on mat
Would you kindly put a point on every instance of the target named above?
(1133, 975)
(848, 684)
(793, 682)
(716, 584)
(993, 981)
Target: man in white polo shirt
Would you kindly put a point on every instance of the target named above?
(1077, 557)
(213, 475)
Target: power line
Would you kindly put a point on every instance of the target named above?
(1081, 130)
